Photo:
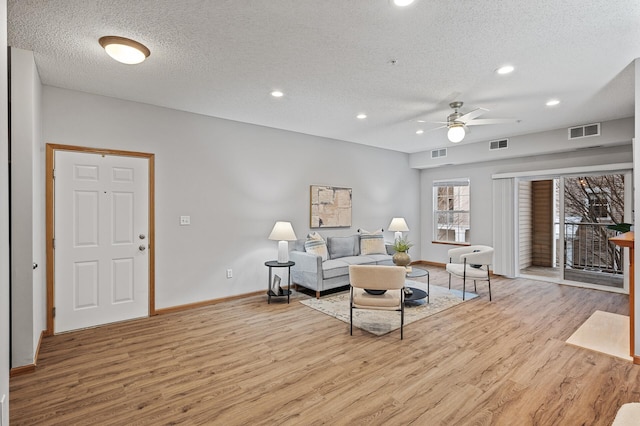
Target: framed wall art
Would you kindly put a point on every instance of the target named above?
(275, 287)
(330, 207)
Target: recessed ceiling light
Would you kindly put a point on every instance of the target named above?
(505, 69)
(124, 50)
(277, 94)
(402, 3)
(361, 116)
(553, 102)
(420, 121)
(419, 132)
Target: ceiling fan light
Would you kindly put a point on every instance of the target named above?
(456, 133)
(124, 50)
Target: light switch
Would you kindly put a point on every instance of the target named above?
(185, 220)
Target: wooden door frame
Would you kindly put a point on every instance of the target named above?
(50, 226)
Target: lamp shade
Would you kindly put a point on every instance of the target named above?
(398, 224)
(282, 231)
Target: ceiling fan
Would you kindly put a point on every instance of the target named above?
(457, 121)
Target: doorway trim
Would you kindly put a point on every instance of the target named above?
(50, 156)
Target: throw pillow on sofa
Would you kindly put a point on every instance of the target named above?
(316, 245)
(372, 242)
(342, 246)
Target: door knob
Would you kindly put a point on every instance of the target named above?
(141, 236)
(142, 247)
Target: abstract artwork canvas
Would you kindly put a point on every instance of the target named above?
(330, 207)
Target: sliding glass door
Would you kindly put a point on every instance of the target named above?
(592, 203)
(565, 225)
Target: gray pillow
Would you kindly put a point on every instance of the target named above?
(342, 246)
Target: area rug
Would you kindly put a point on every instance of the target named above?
(628, 415)
(382, 322)
(604, 332)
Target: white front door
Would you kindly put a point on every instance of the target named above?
(101, 215)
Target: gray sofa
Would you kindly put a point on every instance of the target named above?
(312, 273)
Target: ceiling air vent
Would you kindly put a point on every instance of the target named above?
(500, 144)
(439, 153)
(584, 131)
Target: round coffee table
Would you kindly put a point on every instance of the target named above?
(417, 294)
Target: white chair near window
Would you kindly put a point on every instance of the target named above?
(470, 263)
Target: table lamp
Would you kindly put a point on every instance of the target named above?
(283, 232)
(399, 225)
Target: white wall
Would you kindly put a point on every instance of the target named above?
(234, 180)
(4, 223)
(481, 188)
(38, 227)
(614, 132)
(27, 209)
(636, 210)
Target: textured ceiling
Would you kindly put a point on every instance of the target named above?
(333, 60)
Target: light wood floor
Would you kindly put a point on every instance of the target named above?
(244, 362)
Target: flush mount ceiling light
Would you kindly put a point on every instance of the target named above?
(456, 132)
(124, 50)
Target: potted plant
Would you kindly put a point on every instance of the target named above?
(401, 247)
(620, 227)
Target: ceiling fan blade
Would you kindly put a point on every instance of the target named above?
(471, 115)
(482, 121)
(435, 128)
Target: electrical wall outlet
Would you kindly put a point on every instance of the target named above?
(229, 273)
(185, 220)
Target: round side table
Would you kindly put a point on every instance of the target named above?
(275, 264)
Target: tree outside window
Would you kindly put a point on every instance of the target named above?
(595, 199)
(451, 211)
(594, 202)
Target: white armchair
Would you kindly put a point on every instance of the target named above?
(470, 262)
(377, 277)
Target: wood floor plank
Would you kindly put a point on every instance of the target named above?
(244, 361)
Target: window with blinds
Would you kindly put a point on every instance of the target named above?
(451, 211)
